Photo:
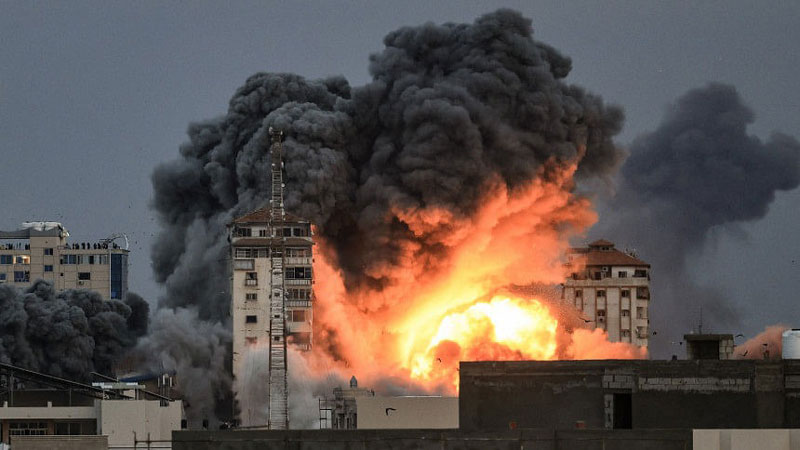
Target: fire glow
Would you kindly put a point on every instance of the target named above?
(459, 303)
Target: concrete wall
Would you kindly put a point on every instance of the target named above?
(121, 420)
(407, 412)
(663, 394)
(776, 439)
(433, 440)
(59, 443)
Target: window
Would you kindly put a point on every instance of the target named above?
(21, 277)
(287, 232)
(22, 260)
(69, 259)
(262, 233)
(622, 274)
(640, 313)
(578, 293)
(642, 293)
(2, 277)
(640, 273)
(298, 315)
(601, 293)
(48, 268)
(84, 276)
(242, 232)
(6, 259)
(251, 319)
(68, 428)
(91, 259)
(298, 252)
(101, 259)
(82, 259)
(251, 279)
(299, 294)
(48, 252)
(250, 341)
(625, 313)
(300, 232)
(625, 293)
(298, 273)
(251, 296)
(601, 313)
(27, 428)
(625, 333)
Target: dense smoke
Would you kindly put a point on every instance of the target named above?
(69, 334)
(698, 170)
(452, 110)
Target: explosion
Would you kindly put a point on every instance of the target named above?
(466, 302)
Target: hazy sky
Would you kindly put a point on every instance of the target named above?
(94, 94)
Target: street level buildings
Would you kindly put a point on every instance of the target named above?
(39, 250)
(254, 243)
(611, 289)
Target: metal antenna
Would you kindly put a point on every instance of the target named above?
(278, 386)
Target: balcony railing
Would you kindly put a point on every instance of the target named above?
(298, 303)
(249, 282)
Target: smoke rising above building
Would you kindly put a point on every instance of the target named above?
(698, 170)
(68, 334)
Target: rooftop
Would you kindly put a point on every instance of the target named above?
(602, 253)
(263, 215)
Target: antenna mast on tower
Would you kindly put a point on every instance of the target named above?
(278, 386)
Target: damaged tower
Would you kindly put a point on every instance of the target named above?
(271, 254)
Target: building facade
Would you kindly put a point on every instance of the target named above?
(254, 243)
(611, 289)
(39, 250)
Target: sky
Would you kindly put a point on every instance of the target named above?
(93, 95)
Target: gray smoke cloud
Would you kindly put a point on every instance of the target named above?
(699, 170)
(449, 108)
(69, 334)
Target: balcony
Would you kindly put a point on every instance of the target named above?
(250, 282)
(243, 264)
(298, 282)
(298, 303)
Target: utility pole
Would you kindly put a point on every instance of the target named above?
(278, 386)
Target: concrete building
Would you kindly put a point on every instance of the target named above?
(340, 412)
(254, 241)
(37, 404)
(630, 394)
(39, 250)
(611, 289)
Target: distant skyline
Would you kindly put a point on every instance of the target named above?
(93, 95)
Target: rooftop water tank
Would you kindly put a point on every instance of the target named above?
(791, 344)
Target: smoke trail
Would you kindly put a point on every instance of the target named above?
(69, 334)
(698, 170)
(451, 110)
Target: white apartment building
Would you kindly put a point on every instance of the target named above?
(611, 289)
(254, 243)
(39, 250)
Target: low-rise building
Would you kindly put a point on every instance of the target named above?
(39, 250)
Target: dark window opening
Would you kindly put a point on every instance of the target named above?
(48, 252)
(626, 293)
(48, 268)
(623, 412)
(251, 319)
(84, 276)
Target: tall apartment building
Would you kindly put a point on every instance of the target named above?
(39, 250)
(254, 243)
(611, 289)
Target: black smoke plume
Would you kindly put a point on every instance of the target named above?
(450, 108)
(698, 170)
(69, 334)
